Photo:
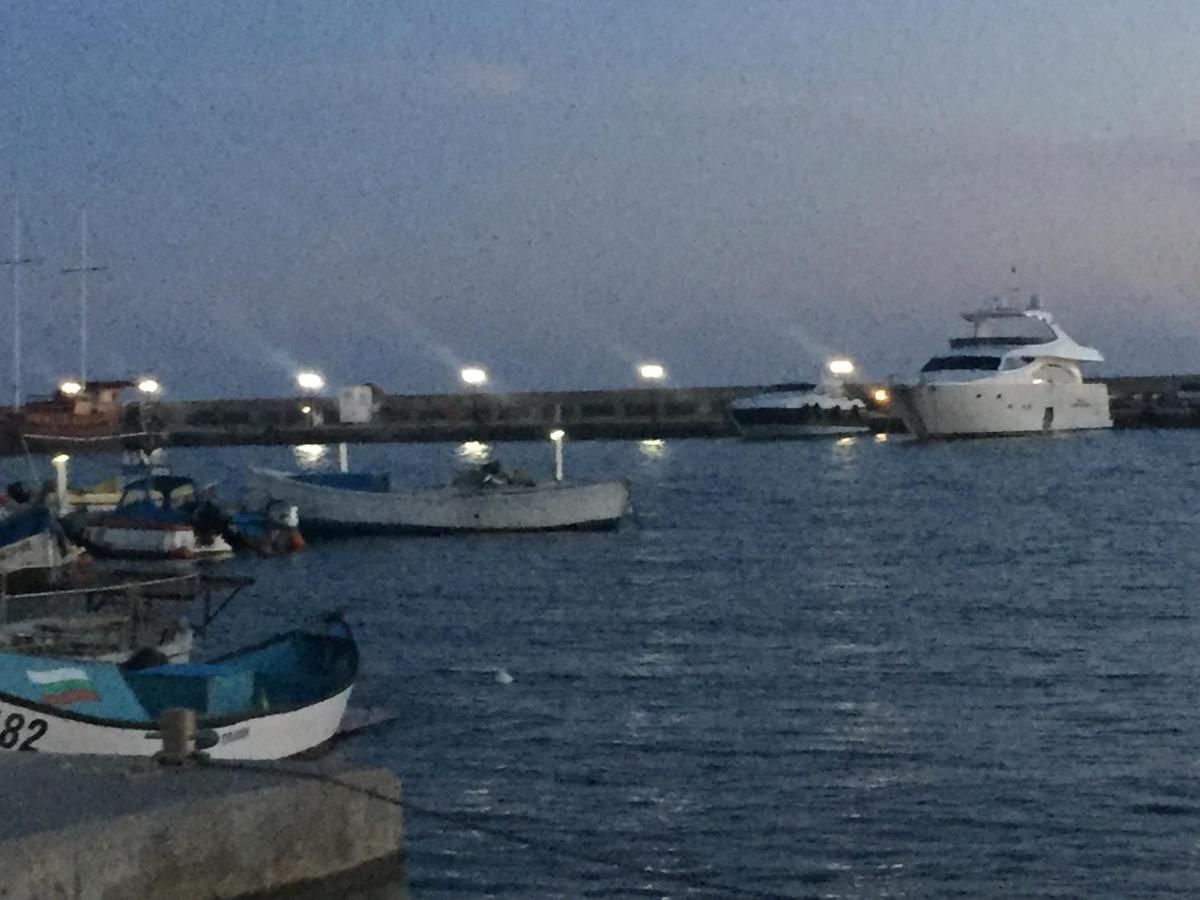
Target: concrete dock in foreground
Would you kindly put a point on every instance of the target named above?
(99, 828)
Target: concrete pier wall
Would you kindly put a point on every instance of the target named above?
(90, 828)
(1168, 400)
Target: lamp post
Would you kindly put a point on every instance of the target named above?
(556, 436)
(60, 483)
(69, 387)
(311, 383)
(841, 367)
(149, 388)
(473, 376)
(652, 371)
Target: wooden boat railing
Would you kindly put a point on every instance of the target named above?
(132, 589)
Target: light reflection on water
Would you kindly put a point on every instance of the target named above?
(310, 456)
(655, 448)
(474, 452)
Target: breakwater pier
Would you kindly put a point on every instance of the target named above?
(100, 827)
(376, 416)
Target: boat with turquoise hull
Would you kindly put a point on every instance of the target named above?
(280, 698)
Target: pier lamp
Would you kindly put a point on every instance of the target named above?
(149, 388)
(311, 383)
(652, 371)
(60, 483)
(70, 387)
(556, 436)
(841, 366)
(881, 396)
(474, 376)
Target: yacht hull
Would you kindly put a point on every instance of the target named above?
(979, 408)
(798, 415)
(759, 430)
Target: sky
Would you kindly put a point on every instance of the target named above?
(386, 191)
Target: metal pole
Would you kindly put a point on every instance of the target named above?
(83, 274)
(16, 262)
(60, 483)
(556, 437)
(82, 271)
(16, 268)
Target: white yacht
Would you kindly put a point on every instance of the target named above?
(1017, 373)
(806, 410)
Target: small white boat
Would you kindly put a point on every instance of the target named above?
(277, 699)
(1018, 373)
(796, 411)
(343, 502)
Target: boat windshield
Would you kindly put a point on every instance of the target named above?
(962, 363)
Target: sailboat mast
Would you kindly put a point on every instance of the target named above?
(82, 272)
(16, 262)
(16, 290)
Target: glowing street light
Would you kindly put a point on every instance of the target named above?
(149, 388)
(881, 396)
(475, 376)
(652, 371)
(841, 366)
(70, 387)
(310, 381)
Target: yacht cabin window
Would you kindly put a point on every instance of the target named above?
(962, 363)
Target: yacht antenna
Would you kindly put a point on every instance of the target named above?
(82, 271)
(15, 263)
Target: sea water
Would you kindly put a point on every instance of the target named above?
(833, 668)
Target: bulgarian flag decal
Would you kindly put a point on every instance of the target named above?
(61, 686)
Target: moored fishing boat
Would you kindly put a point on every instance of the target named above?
(35, 552)
(333, 502)
(157, 517)
(279, 698)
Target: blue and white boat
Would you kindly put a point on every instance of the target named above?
(277, 699)
(34, 550)
(158, 517)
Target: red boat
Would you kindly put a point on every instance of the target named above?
(92, 411)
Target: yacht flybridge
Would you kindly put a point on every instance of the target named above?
(1017, 373)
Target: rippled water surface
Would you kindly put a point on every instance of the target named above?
(806, 669)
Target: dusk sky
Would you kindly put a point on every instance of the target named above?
(559, 190)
